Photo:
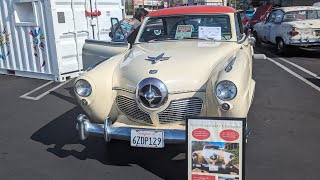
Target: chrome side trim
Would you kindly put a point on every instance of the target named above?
(123, 89)
(187, 91)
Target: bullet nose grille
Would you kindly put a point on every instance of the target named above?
(130, 108)
(179, 109)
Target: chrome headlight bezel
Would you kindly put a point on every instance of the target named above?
(229, 90)
(83, 88)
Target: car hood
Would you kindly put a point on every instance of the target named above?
(311, 23)
(189, 64)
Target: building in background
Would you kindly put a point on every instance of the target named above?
(149, 5)
(284, 3)
(205, 2)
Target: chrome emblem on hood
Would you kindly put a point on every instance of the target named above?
(153, 71)
(152, 93)
(157, 58)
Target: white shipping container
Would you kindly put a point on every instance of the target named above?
(43, 38)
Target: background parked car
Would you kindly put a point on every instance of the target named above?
(250, 13)
(260, 15)
(316, 4)
(290, 26)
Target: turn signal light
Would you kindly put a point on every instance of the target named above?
(294, 33)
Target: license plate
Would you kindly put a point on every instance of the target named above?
(147, 138)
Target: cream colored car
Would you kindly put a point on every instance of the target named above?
(186, 61)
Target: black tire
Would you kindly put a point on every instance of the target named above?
(258, 42)
(281, 47)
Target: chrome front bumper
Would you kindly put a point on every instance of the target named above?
(304, 42)
(86, 128)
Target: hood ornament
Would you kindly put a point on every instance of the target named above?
(157, 58)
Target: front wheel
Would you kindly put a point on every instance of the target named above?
(281, 47)
(258, 42)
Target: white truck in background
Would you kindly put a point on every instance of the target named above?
(44, 39)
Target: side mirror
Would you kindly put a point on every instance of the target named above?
(252, 40)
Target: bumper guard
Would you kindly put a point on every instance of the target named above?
(108, 131)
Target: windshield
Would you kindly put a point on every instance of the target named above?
(213, 27)
(301, 15)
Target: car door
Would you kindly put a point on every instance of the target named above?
(95, 51)
(267, 26)
(275, 26)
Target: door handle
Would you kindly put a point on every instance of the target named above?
(66, 33)
(83, 31)
(106, 30)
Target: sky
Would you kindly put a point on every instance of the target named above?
(221, 144)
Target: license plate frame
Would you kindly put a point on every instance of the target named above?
(147, 138)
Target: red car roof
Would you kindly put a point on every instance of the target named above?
(192, 10)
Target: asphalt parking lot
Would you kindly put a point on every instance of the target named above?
(38, 139)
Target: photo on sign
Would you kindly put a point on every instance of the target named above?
(215, 157)
(227, 178)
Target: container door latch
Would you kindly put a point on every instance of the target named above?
(94, 13)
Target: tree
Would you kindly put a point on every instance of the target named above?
(197, 146)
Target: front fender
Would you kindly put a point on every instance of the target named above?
(101, 102)
(241, 76)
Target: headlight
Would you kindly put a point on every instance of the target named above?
(83, 88)
(226, 90)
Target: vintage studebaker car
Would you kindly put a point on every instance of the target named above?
(197, 62)
(290, 26)
(211, 154)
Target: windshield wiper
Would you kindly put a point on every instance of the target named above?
(207, 39)
(160, 39)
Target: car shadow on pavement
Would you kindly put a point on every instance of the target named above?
(60, 134)
(291, 52)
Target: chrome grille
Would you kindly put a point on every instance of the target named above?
(179, 109)
(129, 107)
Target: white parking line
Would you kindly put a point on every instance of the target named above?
(26, 96)
(178, 157)
(294, 74)
(295, 65)
(36, 89)
(301, 68)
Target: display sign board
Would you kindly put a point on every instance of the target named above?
(209, 32)
(184, 31)
(215, 148)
